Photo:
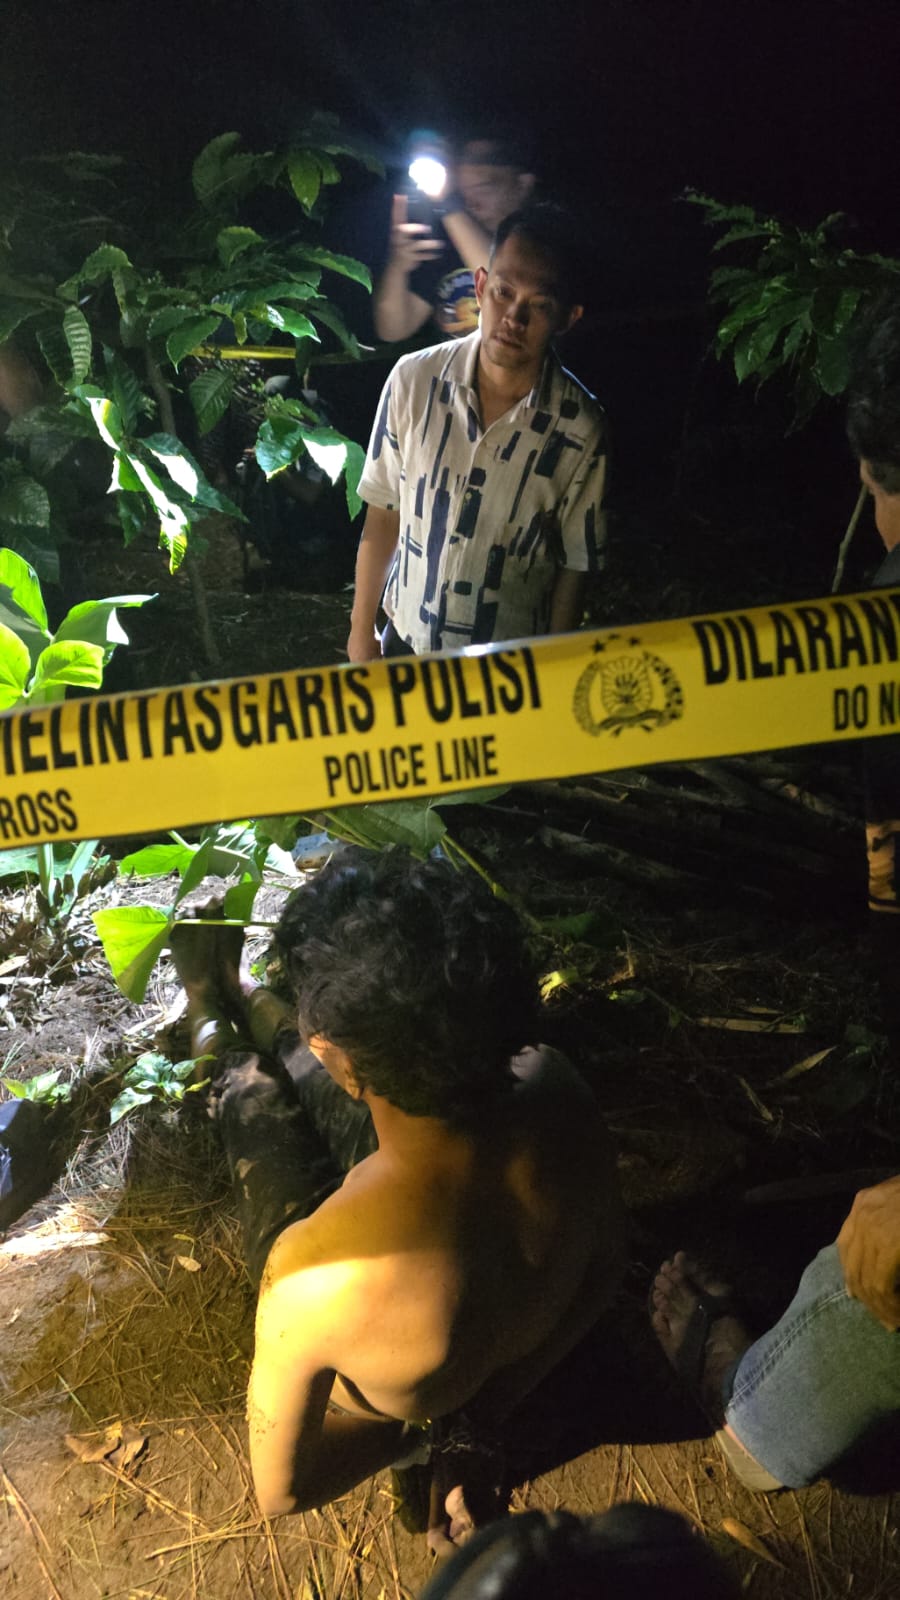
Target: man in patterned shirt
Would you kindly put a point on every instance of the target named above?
(486, 468)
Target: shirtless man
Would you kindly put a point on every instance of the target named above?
(476, 1236)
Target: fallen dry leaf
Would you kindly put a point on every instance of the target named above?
(189, 1263)
(750, 1541)
(805, 1064)
(749, 1025)
(95, 1446)
(120, 1444)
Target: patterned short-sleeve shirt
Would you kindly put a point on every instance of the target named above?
(487, 515)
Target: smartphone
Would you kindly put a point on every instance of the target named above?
(420, 209)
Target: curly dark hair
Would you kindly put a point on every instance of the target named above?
(418, 972)
(556, 233)
(873, 395)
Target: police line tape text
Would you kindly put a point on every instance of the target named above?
(412, 766)
(275, 710)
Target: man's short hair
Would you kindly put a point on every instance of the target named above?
(418, 972)
(498, 148)
(873, 395)
(556, 233)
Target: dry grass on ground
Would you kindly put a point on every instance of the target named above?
(124, 1307)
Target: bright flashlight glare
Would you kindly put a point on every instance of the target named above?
(428, 175)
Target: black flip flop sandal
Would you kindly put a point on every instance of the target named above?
(689, 1360)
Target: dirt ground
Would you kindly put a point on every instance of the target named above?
(126, 1317)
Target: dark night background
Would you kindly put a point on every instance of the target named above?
(790, 105)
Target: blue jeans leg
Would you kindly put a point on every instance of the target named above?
(813, 1386)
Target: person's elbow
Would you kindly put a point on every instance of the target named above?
(280, 1499)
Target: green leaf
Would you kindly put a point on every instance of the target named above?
(347, 266)
(125, 390)
(73, 663)
(157, 860)
(24, 502)
(72, 421)
(44, 557)
(15, 668)
(162, 322)
(55, 351)
(185, 338)
(411, 823)
(132, 937)
(208, 163)
(329, 315)
(290, 321)
(22, 586)
(279, 443)
(173, 521)
(19, 861)
(353, 470)
(210, 395)
(232, 242)
(186, 474)
(97, 621)
(239, 899)
(833, 364)
(127, 1101)
(329, 453)
(100, 264)
(794, 339)
(78, 338)
(131, 510)
(254, 301)
(107, 420)
(305, 176)
(124, 479)
(195, 871)
(174, 541)
(12, 314)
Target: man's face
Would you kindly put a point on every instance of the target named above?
(490, 193)
(521, 308)
(886, 507)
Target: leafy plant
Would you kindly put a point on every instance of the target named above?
(45, 1088)
(117, 329)
(794, 309)
(154, 1077)
(133, 937)
(36, 669)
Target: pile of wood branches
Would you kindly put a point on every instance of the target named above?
(758, 830)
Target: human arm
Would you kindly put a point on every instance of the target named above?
(869, 1250)
(567, 601)
(377, 547)
(397, 311)
(471, 242)
(301, 1454)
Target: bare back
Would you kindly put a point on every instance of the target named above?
(424, 1277)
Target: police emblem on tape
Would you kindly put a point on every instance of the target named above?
(634, 690)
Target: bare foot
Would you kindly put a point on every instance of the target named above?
(464, 1497)
(682, 1292)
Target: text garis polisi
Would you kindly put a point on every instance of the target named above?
(268, 711)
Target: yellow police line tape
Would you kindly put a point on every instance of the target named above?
(681, 690)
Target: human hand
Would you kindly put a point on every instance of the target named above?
(363, 643)
(411, 243)
(869, 1249)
